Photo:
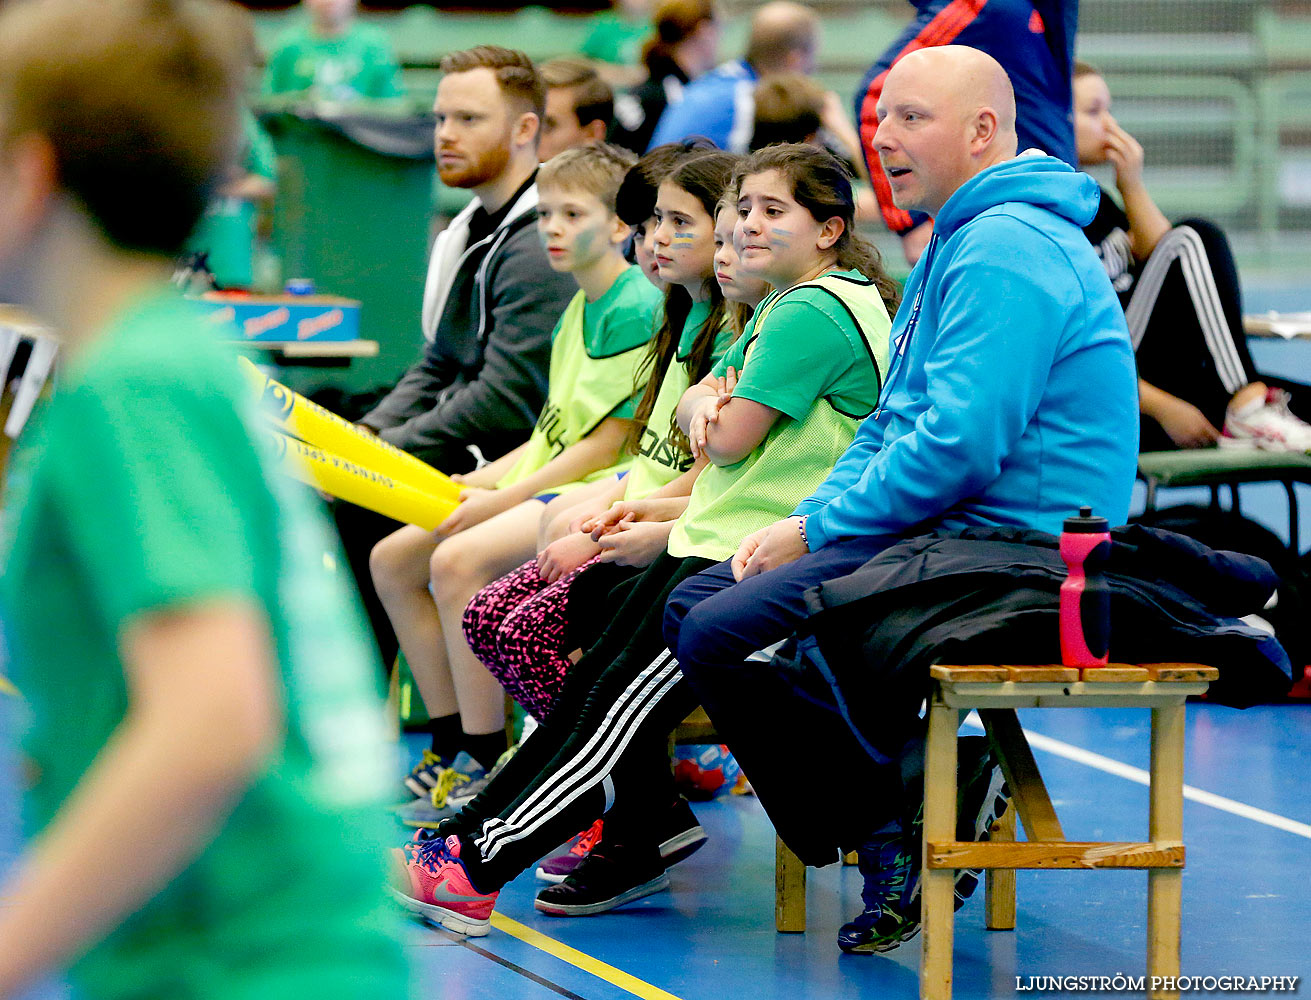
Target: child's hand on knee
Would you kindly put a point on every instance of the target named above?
(476, 505)
(565, 555)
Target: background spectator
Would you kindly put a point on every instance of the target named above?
(617, 34)
(685, 45)
(579, 106)
(1034, 42)
(331, 56)
(1181, 297)
(720, 105)
(227, 232)
(791, 107)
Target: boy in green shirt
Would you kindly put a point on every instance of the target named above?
(426, 578)
(198, 686)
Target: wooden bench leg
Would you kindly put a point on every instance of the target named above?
(937, 885)
(1165, 885)
(789, 890)
(999, 883)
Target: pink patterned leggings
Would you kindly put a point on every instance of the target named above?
(517, 626)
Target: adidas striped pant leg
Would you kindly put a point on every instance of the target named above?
(615, 748)
(1185, 319)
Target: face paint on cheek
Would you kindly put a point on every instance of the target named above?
(682, 241)
(586, 240)
(780, 238)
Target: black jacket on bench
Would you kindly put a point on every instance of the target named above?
(991, 595)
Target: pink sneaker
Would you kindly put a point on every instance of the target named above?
(432, 883)
(1266, 424)
(558, 868)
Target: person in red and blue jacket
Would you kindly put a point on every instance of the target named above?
(1034, 42)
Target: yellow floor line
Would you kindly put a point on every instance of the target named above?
(580, 960)
(7, 688)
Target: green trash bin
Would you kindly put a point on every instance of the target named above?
(353, 214)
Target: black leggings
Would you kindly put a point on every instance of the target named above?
(603, 751)
(1185, 319)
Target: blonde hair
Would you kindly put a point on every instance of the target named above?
(140, 103)
(597, 168)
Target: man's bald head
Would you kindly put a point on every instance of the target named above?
(945, 114)
(974, 79)
(784, 37)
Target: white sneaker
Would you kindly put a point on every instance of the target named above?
(1266, 424)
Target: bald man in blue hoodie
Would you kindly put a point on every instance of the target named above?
(1011, 400)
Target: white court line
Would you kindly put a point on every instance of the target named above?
(1141, 777)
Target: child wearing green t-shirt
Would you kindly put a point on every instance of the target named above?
(426, 578)
(199, 685)
(807, 375)
(331, 56)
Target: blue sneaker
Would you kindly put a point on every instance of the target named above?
(890, 895)
(422, 779)
(890, 862)
(441, 803)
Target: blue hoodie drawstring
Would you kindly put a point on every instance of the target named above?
(899, 348)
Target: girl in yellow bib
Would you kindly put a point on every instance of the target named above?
(425, 579)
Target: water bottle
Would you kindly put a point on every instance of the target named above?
(1085, 598)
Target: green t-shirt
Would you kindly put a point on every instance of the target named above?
(616, 39)
(662, 454)
(226, 232)
(140, 489)
(816, 352)
(596, 350)
(357, 64)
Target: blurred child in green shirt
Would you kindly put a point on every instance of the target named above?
(199, 688)
(333, 57)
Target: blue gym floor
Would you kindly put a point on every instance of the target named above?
(1246, 901)
(1247, 886)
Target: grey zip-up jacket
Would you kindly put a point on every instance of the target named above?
(488, 313)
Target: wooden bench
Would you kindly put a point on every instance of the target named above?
(996, 692)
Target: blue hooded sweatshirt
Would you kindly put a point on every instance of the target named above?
(1012, 396)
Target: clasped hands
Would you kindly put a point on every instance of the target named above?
(707, 411)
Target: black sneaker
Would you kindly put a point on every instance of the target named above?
(981, 798)
(611, 875)
(681, 835)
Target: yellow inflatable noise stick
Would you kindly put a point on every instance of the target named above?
(313, 424)
(351, 482)
(7, 688)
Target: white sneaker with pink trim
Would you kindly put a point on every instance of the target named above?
(1266, 424)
